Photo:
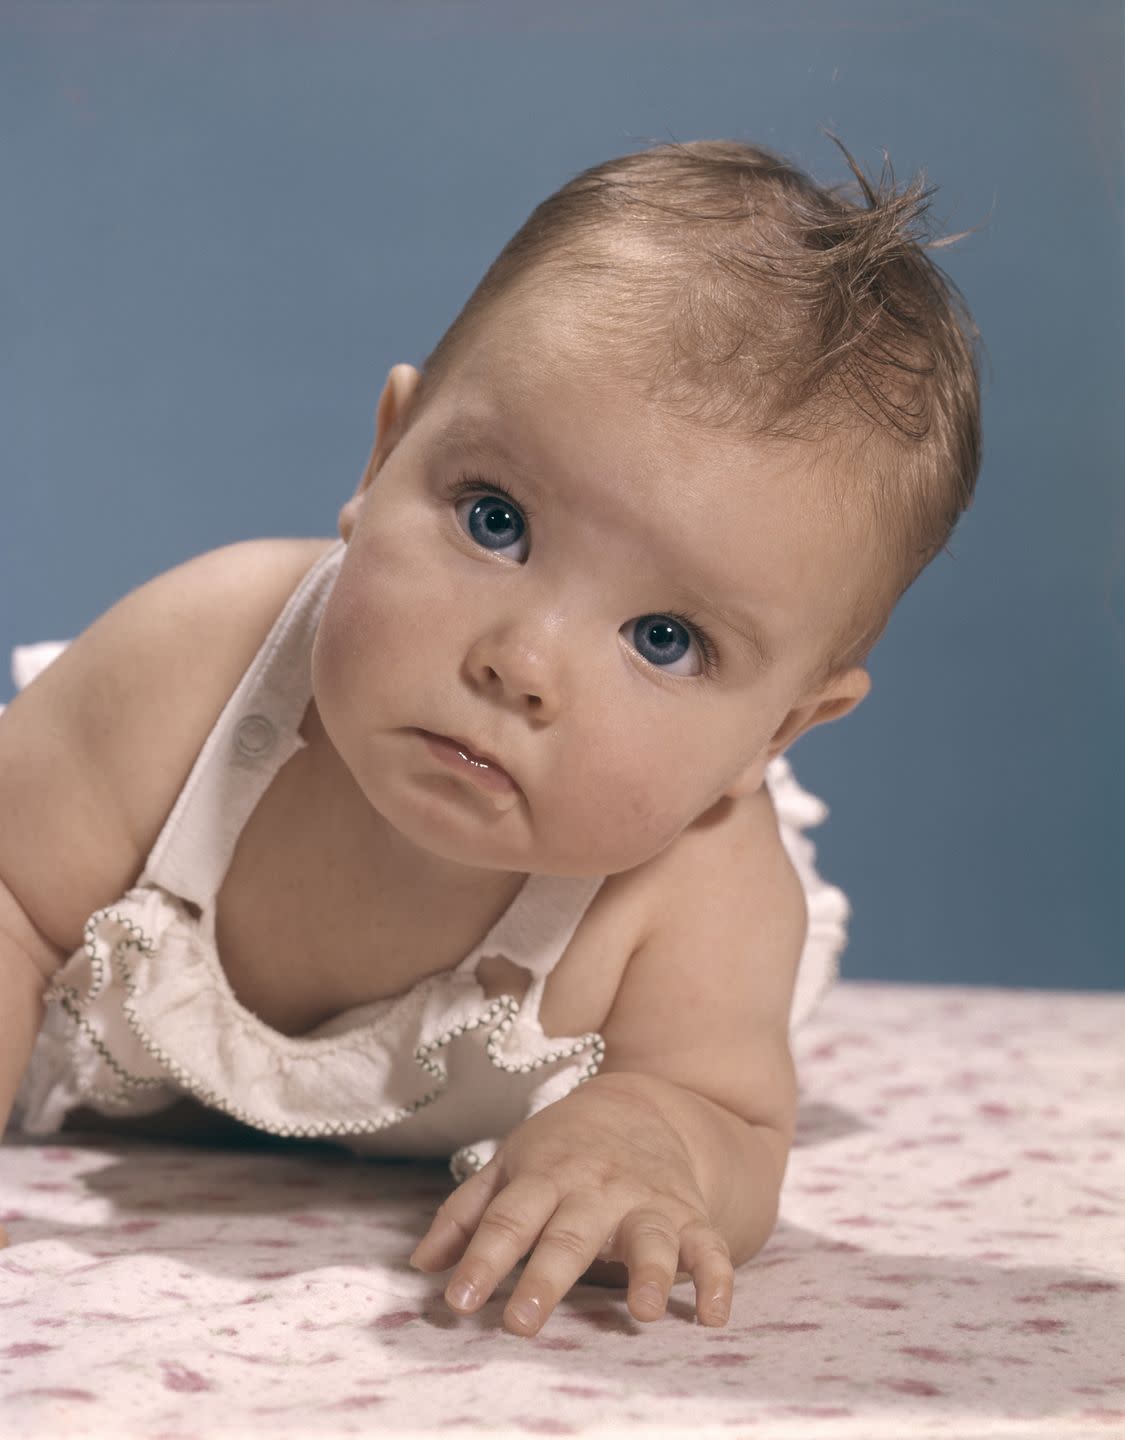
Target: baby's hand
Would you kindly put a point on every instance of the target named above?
(599, 1175)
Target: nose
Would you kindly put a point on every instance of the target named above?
(517, 664)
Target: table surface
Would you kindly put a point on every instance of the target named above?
(950, 1261)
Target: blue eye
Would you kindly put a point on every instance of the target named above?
(493, 521)
(662, 640)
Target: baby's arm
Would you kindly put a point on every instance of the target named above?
(672, 1157)
(27, 959)
(95, 750)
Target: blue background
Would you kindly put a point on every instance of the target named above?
(222, 223)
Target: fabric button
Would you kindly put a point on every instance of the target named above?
(255, 735)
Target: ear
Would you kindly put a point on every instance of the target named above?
(390, 421)
(838, 695)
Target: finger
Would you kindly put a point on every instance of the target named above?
(649, 1244)
(456, 1218)
(705, 1255)
(508, 1229)
(571, 1240)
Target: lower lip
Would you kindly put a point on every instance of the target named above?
(490, 778)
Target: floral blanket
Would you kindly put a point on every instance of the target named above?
(950, 1262)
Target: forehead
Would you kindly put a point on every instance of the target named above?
(745, 526)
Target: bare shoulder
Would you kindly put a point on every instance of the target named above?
(718, 874)
(94, 752)
(712, 930)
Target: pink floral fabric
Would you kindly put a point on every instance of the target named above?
(950, 1261)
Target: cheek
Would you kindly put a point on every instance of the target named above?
(338, 645)
(623, 804)
(383, 615)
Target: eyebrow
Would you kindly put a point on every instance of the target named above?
(462, 434)
(755, 641)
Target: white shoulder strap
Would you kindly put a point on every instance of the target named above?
(253, 737)
(539, 923)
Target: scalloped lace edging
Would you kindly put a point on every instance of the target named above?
(109, 956)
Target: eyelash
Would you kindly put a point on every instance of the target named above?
(477, 485)
(702, 639)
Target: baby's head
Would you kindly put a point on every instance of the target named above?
(729, 289)
(698, 407)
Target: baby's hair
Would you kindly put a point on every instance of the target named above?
(741, 295)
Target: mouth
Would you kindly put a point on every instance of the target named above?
(486, 773)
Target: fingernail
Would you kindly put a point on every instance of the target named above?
(461, 1294)
(650, 1296)
(718, 1309)
(525, 1313)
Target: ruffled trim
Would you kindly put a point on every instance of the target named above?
(73, 1063)
(187, 996)
(794, 805)
(829, 910)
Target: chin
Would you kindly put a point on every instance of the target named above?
(446, 825)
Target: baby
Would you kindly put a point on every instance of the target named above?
(470, 833)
